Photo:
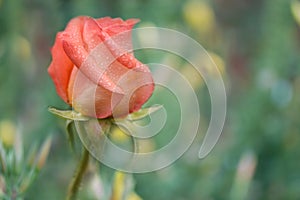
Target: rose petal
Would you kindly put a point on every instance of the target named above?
(74, 45)
(62, 64)
(137, 86)
(91, 34)
(73, 42)
(89, 98)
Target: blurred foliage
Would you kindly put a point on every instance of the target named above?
(18, 170)
(255, 44)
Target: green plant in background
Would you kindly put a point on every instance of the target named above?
(18, 171)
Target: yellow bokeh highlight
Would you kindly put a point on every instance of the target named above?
(7, 133)
(295, 7)
(22, 48)
(146, 145)
(192, 75)
(199, 16)
(133, 196)
(143, 145)
(211, 64)
(218, 61)
(119, 190)
(118, 135)
(119, 186)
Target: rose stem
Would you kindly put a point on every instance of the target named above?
(75, 183)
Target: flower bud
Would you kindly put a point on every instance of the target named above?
(7, 133)
(44, 153)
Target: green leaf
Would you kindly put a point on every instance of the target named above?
(144, 112)
(70, 134)
(28, 180)
(30, 161)
(68, 114)
(44, 152)
(2, 159)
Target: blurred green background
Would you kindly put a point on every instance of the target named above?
(255, 44)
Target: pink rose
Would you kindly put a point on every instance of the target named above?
(93, 71)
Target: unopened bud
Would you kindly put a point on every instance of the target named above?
(7, 133)
(44, 153)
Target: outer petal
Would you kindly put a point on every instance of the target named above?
(119, 30)
(80, 39)
(89, 98)
(60, 68)
(73, 43)
(117, 25)
(137, 86)
(94, 100)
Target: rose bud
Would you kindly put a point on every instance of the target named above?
(94, 70)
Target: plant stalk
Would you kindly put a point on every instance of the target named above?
(76, 181)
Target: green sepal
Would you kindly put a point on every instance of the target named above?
(142, 113)
(68, 114)
(70, 134)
